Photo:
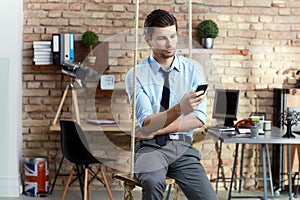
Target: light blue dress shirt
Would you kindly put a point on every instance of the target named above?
(185, 75)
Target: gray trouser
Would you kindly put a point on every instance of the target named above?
(177, 160)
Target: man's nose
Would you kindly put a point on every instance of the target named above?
(169, 42)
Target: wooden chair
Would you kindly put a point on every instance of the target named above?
(130, 183)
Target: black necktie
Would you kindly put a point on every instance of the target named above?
(165, 98)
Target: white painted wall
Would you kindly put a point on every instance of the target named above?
(11, 23)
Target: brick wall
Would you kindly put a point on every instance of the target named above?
(268, 29)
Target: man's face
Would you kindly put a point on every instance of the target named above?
(163, 42)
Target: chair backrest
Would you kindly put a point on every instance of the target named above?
(74, 144)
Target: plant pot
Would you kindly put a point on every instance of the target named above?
(207, 43)
(91, 60)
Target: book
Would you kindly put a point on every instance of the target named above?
(72, 50)
(56, 48)
(43, 56)
(49, 49)
(66, 47)
(42, 43)
(43, 62)
(42, 53)
(101, 122)
(61, 49)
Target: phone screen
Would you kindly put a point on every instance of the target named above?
(202, 87)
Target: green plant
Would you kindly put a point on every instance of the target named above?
(90, 39)
(208, 29)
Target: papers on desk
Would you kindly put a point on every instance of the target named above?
(243, 135)
(101, 122)
(247, 130)
(222, 128)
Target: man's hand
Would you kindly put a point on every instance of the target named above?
(142, 135)
(190, 101)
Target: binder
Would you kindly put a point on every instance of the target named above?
(61, 49)
(66, 47)
(72, 51)
(56, 49)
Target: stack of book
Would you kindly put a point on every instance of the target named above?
(42, 53)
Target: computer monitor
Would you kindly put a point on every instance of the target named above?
(226, 105)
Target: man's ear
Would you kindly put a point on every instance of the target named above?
(148, 41)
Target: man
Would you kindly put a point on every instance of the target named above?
(164, 132)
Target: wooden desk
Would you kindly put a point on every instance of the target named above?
(270, 137)
(92, 128)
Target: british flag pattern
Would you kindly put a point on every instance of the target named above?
(36, 178)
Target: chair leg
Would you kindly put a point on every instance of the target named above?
(106, 183)
(169, 191)
(89, 191)
(68, 183)
(128, 191)
(86, 177)
(176, 195)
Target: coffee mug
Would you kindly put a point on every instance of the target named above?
(267, 125)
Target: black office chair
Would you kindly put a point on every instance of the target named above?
(75, 148)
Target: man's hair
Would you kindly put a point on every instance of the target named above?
(158, 18)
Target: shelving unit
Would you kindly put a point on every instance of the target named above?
(81, 52)
(103, 61)
(243, 52)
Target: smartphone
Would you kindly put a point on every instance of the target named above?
(202, 87)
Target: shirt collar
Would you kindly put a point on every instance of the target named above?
(156, 66)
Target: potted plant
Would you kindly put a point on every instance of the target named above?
(90, 39)
(207, 30)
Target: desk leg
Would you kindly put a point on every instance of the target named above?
(263, 151)
(57, 174)
(241, 168)
(290, 172)
(233, 169)
(281, 170)
(219, 165)
(270, 171)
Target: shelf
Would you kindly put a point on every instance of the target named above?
(116, 91)
(81, 51)
(243, 52)
(45, 67)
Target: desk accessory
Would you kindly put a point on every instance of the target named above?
(289, 119)
(254, 131)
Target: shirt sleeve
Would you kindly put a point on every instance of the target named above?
(143, 104)
(199, 78)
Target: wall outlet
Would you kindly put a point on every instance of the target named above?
(107, 82)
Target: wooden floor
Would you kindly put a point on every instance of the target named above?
(118, 195)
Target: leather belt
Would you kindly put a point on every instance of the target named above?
(175, 137)
(180, 137)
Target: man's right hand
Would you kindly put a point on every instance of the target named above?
(190, 101)
(142, 135)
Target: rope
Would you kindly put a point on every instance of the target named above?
(132, 146)
(190, 29)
